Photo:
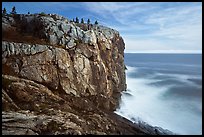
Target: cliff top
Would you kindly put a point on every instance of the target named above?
(52, 29)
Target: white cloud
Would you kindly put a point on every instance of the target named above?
(150, 26)
(137, 44)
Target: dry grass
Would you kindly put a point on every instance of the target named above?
(13, 35)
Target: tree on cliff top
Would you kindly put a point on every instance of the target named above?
(82, 20)
(4, 11)
(77, 20)
(96, 22)
(88, 21)
(13, 10)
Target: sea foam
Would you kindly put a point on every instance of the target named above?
(148, 103)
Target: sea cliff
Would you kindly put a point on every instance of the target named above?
(62, 77)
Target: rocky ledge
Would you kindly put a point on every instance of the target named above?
(61, 77)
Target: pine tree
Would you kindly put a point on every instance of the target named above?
(4, 11)
(88, 21)
(82, 20)
(13, 10)
(96, 22)
(77, 20)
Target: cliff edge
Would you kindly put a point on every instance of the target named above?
(61, 77)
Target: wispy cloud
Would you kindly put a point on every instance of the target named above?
(154, 26)
(144, 26)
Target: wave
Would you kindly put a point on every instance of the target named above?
(146, 102)
(158, 77)
(131, 69)
(193, 80)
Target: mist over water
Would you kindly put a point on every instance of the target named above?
(164, 90)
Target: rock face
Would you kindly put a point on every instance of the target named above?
(76, 62)
(59, 77)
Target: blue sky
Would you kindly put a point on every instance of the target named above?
(145, 26)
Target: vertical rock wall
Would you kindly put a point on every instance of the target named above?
(73, 61)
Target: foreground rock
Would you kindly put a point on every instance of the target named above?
(59, 77)
(31, 108)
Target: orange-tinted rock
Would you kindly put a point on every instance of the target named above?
(59, 77)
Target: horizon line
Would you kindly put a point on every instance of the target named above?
(168, 51)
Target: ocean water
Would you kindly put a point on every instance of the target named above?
(164, 90)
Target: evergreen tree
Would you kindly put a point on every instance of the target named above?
(77, 20)
(96, 22)
(13, 10)
(4, 11)
(42, 14)
(88, 21)
(28, 12)
(82, 20)
(73, 20)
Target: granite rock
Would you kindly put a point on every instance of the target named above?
(60, 77)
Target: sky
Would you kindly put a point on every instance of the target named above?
(146, 27)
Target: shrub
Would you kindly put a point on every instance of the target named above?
(42, 14)
(96, 22)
